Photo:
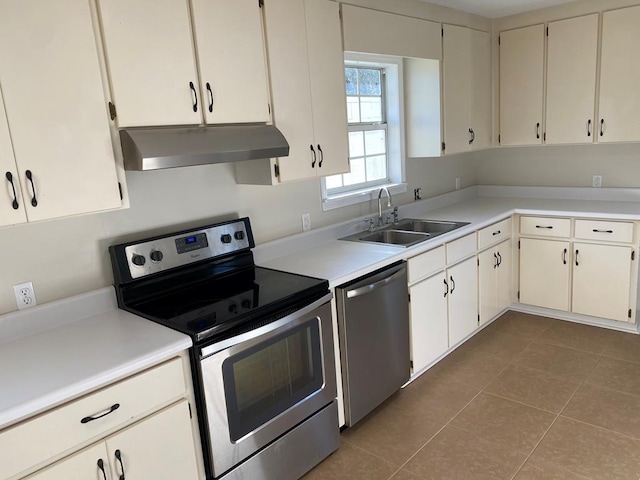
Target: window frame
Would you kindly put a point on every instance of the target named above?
(394, 115)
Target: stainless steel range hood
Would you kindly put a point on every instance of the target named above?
(155, 148)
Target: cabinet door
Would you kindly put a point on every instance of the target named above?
(602, 281)
(487, 284)
(151, 62)
(521, 85)
(160, 446)
(428, 312)
(504, 275)
(619, 72)
(571, 80)
(11, 204)
(231, 57)
(463, 300)
(290, 88)
(84, 464)
(544, 273)
(56, 108)
(328, 94)
(481, 107)
(457, 85)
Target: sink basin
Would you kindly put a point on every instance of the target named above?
(407, 232)
(432, 227)
(394, 237)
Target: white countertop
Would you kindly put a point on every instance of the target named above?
(340, 261)
(73, 356)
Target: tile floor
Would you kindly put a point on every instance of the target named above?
(528, 398)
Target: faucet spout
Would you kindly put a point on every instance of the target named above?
(383, 189)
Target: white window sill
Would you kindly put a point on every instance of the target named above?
(360, 196)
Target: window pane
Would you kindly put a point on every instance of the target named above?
(376, 168)
(353, 110)
(357, 174)
(375, 142)
(356, 144)
(371, 108)
(351, 77)
(333, 181)
(369, 81)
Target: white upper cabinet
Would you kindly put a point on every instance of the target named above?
(306, 66)
(619, 77)
(467, 89)
(151, 62)
(571, 80)
(521, 85)
(56, 109)
(11, 204)
(151, 56)
(230, 46)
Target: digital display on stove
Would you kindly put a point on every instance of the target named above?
(191, 243)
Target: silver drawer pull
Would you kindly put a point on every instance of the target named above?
(602, 231)
(112, 409)
(544, 226)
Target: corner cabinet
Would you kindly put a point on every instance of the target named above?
(467, 89)
(139, 428)
(56, 113)
(155, 77)
(590, 272)
(521, 85)
(306, 66)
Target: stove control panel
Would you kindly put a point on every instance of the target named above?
(159, 254)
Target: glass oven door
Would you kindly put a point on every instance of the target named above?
(259, 385)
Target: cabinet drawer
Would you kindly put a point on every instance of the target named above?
(56, 431)
(425, 264)
(604, 230)
(545, 226)
(495, 233)
(461, 248)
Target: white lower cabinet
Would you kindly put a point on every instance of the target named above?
(494, 280)
(602, 281)
(429, 320)
(463, 300)
(160, 446)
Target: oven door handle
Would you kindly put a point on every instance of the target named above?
(356, 292)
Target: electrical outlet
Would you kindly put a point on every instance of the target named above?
(25, 295)
(457, 183)
(306, 222)
(597, 181)
(417, 194)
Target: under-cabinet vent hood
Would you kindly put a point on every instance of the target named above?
(155, 148)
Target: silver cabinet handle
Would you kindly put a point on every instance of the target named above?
(374, 286)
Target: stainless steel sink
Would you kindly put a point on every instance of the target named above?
(407, 232)
(432, 227)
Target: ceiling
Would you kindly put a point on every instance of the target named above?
(497, 8)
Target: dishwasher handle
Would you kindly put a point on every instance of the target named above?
(356, 292)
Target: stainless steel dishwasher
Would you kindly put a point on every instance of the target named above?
(373, 325)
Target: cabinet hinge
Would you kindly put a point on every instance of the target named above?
(518, 294)
(442, 30)
(498, 139)
(409, 295)
(190, 414)
(120, 190)
(478, 319)
(498, 39)
(547, 31)
(633, 254)
(518, 244)
(112, 111)
(411, 364)
(629, 313)
(276, 170)
(478, 262)
(444, 146)
(260, 3)
(544, 136)
(269, 108)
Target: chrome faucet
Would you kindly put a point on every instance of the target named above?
(383, 189)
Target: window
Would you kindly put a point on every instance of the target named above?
(374, 113)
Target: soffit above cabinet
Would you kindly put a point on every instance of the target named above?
(371, 31)
(497, 8)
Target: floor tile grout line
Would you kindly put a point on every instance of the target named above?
(599, 427)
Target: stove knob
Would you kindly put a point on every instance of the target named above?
(246, 304)
(226, 238)
(233, 307)
(239, 235)
(138, 260)
(156, 255)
